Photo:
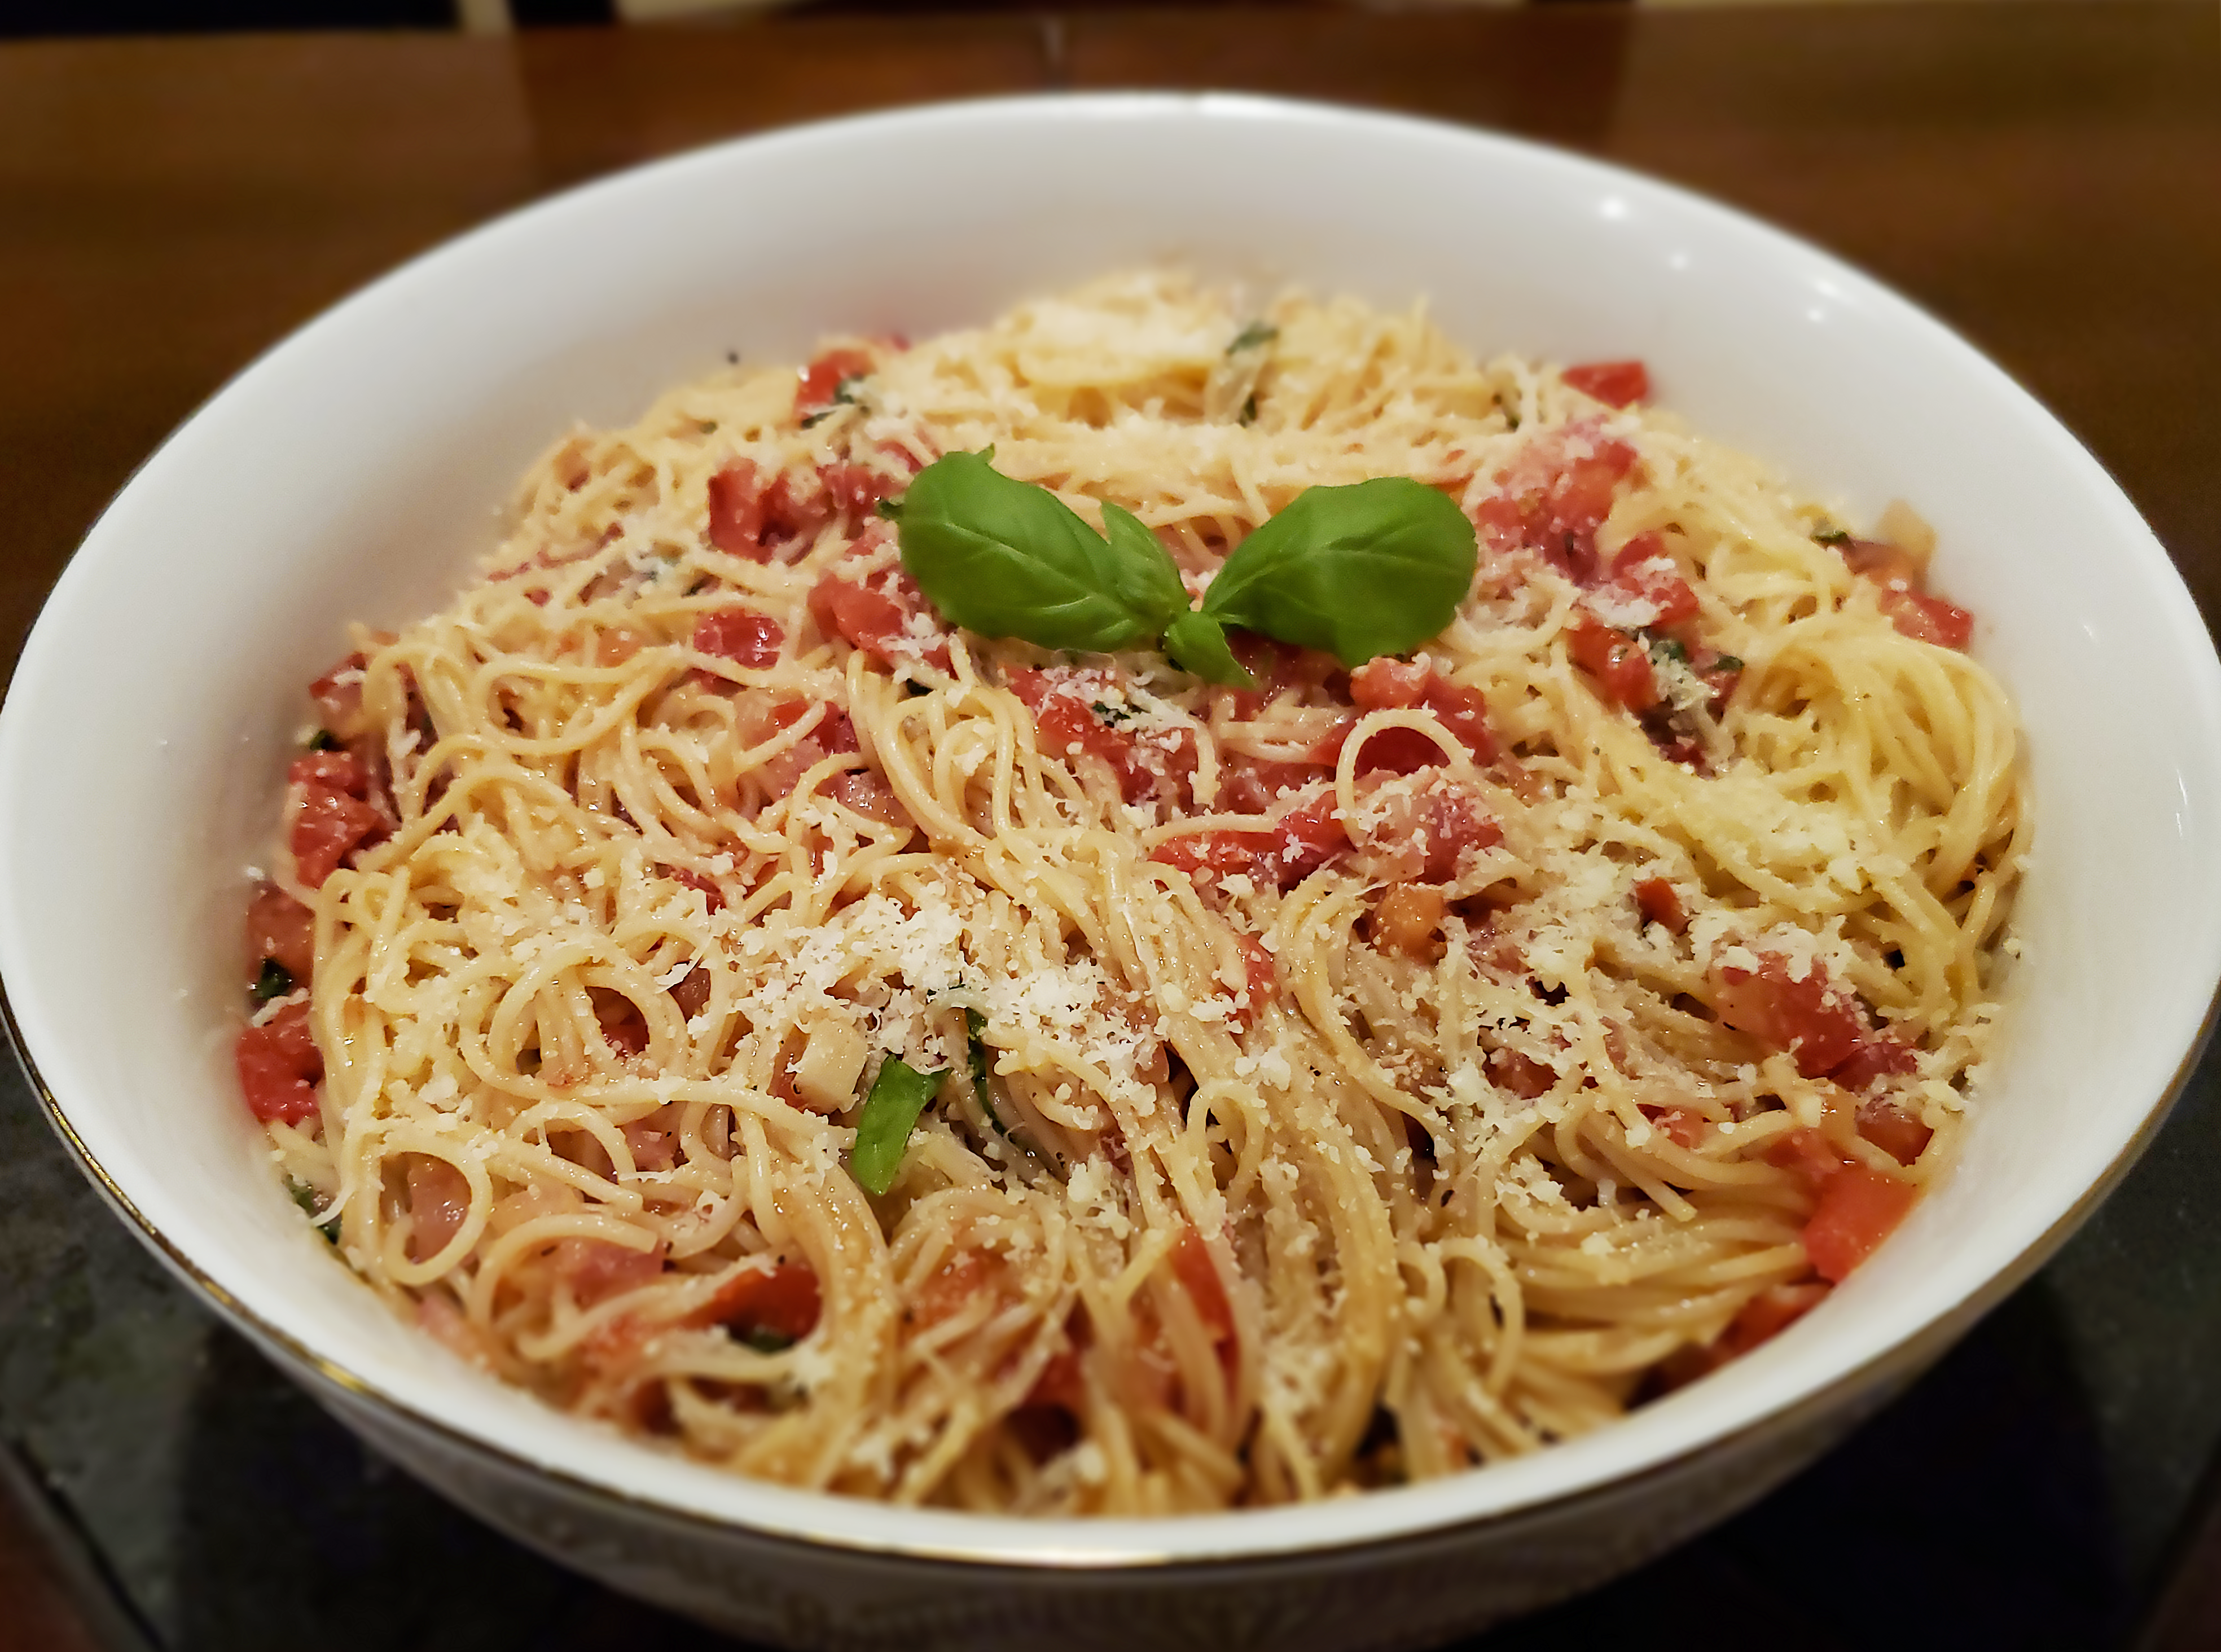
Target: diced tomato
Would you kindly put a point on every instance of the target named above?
(690, 992)
(867, 791)
(1616, 383)
(597, 1269)
(736, 511)
(1281, 667)
(1895, 1131)
(1306, 839)
(653, 1140)
(1453, 826)
(782, 1300)
(279, 1066)
(338, 695)
(439, 1200)
(876, 621)
(334, 770)
(834, 734)
(1619, 662)
(1645, 579)
(1928, 619)
(1684, 1125)
(1388, 684)
(1262, 982)
(856, 489)
(1192, 1266)
(1555, 497)
(622, 1022)
(1769, 1314)
(1521, 1075)
(1394, 685)
(1218, 852)
(1876, 1057)
(1891, 566)
(961, 1276)
(707, 887)
(281, 929)
(1810, 1015)
(1061, 1385)
(1065, 723)
(740, 634)
(1859, 1208)
(1809, 1156)
(328, 827)
(1660, 903)
(1251, 786)
(822, 377)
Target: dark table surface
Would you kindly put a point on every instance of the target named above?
(2046, 177)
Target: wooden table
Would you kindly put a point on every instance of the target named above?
(2045, 177)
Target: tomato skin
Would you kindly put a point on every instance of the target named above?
(1555, 496)
(1305, 838)
(1684, 1126)
(1928, 619)
(339, 771)
(326, 829)
(740, 634)
(1386, 685)
(736, 511)
(1261, 983)
(1859, 1208)
(1620, 664)
(1895, 1130)
(282, 930)
(1643, 573)
(1661, 903)
(1616, 383)
(782, 1300)
(1822, 1024)
(279, 1066)
(878, 622)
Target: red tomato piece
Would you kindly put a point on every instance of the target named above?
(1218, 852)
(1464, 713)
(1060, 1385)
(597, 1269)
(1769, 1314)
(711, 894)
(740, 634)
(834, 734)
(1891, 566)
(1810, 1016)
(1875, 1057)
(1305, 839)
(1646, 584)
(280, 1066)
(875, 621)
(1192, 1266)
(1809, 1156)
(1521, 1075)
(1895, 1131)
(327, 827)
(822, 377)
(439, 1200)
(736, 511)
(1620, 664)
(338, 695)
(334, 770)
(1616, 383)
(1928, 619)
(1684, 1125)
(1066, 724)
(782, 1300)
(1660, 903)
(1859, 1208)
(621, 1025)
(855, 489)
(282, 930)
(1388, 684)
(1555, 497)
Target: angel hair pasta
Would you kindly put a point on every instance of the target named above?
(704, 985)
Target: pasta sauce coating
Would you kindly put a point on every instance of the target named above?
(1353, 1077)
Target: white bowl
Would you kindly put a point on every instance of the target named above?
(353, 471)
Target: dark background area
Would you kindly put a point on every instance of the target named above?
(2045, 176)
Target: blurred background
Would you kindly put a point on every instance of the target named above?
(184, 181)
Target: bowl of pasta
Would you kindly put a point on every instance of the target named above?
(1105, 909)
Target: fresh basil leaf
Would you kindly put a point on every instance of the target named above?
(1727, 662)
(898, 1096)
(1008, 559)
(1831, 536)
(1254, 336)
(889, 510)
(765, 1340)
(1196, 642)
(1373, 568)
(274, 982)
(323, 740)
(1669, 648)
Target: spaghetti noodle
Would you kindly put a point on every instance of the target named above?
(1344, 1080)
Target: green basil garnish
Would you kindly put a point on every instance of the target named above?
(975, 1035)
(323, 740)
(1008, 559)
(274, 982)
(765, 1340)
(1831, 536)
(898, 1096)
(1254, 336)
(1373, 568)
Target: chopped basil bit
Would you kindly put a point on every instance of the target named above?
(1254, 336)
(975, 1029)
(765, 1340)
(1831, 536)
(274, 982)
(305, 1197)
(898, 1096)
(1727, 662)
(843, 396)
(1666, 647)
(323, 740)
(1113, 715)
(1249, 409)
